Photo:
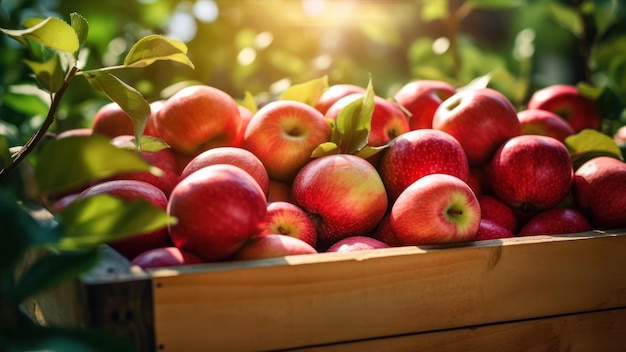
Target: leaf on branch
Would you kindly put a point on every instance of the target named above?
(49, 73)
(102, 218)
(307, 92)
(81, 27)
(156, 47)
(71, 162)
(127, 97)
(51, 32)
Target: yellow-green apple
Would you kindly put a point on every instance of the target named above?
(556, 221)
(481, 120)
(163, 159)
(239, 157)
(219, 208)
(197, 118)
(334, 93)
(283, 134)
(165, 257)
(421, 98)
(437, 208)
(111, 121)
(492, 208)
(388, 120)
(272, 246)
(384, 233)
(545, 123)
(286, 218)
(356, 243)
(343, 194)
(491, 230)
(279, 191)
(246, 114)
(131, 190)
(566, 101)
(600, 191)
(418, 153)
(531, 172)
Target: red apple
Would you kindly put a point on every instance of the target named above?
(481, 120)
(279, 191)
(491, 230)
(234, 156)
(418, 153)
(334, 93)
(437, 208)
(246, 114)
(556, 221)
(545, 123)
(492, 208)
(600, 191)
(566, 101)
(218, 208)
(356, 243)
(384, 232)
(150, 129)
(197, 118)
(273, 246)
(163, 159)
(283, 134)
(75, 132)
(289, 219)
(111, 121)
(131, 190)
(165, 257)
(343, 194)
(388, 120)
(531, 172)
(422, 98)
(477, 180)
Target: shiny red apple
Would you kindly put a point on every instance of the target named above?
(421, 98)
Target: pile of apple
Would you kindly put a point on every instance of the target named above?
(444, 165)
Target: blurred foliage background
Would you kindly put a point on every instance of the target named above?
(262, 47)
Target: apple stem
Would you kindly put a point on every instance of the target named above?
(455, 212)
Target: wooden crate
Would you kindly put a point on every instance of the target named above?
(539, 293)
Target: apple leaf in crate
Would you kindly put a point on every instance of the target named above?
(307, 92)
(147, 143)
(156, 47)
(127, 97)
(353, 124)
(588, 144)
(51, 32)
(71, 162)
(249, 102)
(90, 221)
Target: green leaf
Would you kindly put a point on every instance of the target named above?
(477, 83)
(156, 47)
(127, 97)
(147, 143)
(102, 218)
(590, 143)
(434, 10)
(53, 269)
(353, 123)
(80, 26)
(308, 92)
(71, 162)
(496, 4)
(369, 151)
(49, 73)
(21, 231)
(27, 99)
(51, 32)
(326, 148)
(567, 17)
(249, 102)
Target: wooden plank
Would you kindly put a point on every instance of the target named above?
(308, 300)
(582, 332)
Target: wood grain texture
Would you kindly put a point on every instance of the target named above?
(308, 300)
(581, 332)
